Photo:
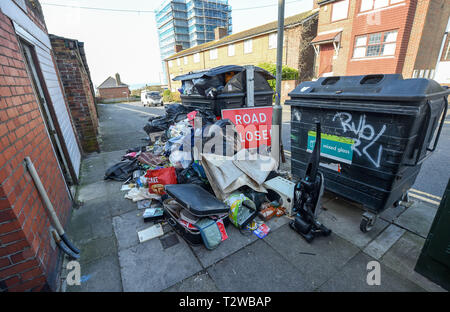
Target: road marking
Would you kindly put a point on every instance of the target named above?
(425, 199)
(426, 194)
(447, 122)
(138, 111)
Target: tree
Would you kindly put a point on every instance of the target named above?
(287, 73)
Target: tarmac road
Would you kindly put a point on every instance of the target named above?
(429, 186)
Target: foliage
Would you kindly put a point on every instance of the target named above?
(170, 97)
(288, 73)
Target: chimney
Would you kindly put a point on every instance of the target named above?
(220, 32)
(178, 48)
(118, 82)
(315, 4)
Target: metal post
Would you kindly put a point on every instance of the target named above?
(278, 110)
(250, 73)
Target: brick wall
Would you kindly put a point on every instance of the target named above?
(113, 93)
(77, 86)
(27, 260)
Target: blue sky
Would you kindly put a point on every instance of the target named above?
(127, 43)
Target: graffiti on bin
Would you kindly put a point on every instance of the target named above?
(366, 136)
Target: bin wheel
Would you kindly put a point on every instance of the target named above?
(367, 222)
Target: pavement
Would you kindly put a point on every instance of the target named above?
(105, 228)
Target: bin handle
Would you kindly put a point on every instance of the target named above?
(436, 141)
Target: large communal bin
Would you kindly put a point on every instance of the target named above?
(377, 131)
(224, 87)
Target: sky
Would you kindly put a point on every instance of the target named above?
(127, 42)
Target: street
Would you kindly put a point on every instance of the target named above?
(429, 186)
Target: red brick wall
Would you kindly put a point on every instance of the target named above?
(27, 260)
(113, 93)
(77, 87)
(399, 18)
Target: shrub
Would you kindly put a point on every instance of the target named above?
(288, 73)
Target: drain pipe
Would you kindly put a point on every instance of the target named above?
(60, 237)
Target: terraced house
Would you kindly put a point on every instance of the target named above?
(251, 47)
(358, 37)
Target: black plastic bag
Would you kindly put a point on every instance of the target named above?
(122, 171)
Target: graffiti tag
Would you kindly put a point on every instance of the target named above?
(365, 133)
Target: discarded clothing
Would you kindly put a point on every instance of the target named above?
(121, 171)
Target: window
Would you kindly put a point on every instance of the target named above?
(446, 53)
(213, 54)
(185, 60)
(273, 41)
(170, 64)
(339, 10)
(379, 44)
(178, 62)
(367, 5)
(231, 50)
(415, 73)
(248, 46)
(196, 58)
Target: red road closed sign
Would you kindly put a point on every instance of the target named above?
(253, 124)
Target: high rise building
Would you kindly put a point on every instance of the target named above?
(186, 23)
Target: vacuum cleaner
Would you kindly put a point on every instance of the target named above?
(307, 197)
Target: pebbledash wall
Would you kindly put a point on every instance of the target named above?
(75, 76)
(28, 261)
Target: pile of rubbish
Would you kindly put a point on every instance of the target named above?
(197, 177)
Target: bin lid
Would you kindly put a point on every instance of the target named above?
(390, 87)
(221, 70)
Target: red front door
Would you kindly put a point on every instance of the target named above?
(326, 58)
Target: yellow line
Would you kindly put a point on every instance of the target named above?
(425, 199)
(447, 122)
(137, 111)
(426, 194)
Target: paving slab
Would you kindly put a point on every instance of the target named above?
(403, 256)
(236, 241)
(257, 267)
(96, 249)
(200, 282)
(102, 275)
(91, 191)
(353, 278)
(126, 227)
(118, 204)
(317, 261)
(92, 169)
(378, 247)
(418, 218)
(149, 267)
(391, 214)
(344, 217)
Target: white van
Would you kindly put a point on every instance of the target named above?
(151, 98)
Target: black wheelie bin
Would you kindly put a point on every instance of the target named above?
(224, 87)
(377, 131)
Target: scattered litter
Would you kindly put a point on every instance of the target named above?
(150, 233)
(144, 204)
(262, 231)
(138, 194)
(153, 214)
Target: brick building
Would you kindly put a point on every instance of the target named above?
(113, 89)
(75, 76)
(251, 47)
(380, 36)
(35, 123)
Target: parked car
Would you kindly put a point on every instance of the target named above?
(151, 98)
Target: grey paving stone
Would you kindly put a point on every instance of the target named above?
(92, 169)
(91, 191)
(353, 278)
(344, 218)
(149, 267)
(418, 218)
(235, 242)
(257, 267)
(200, 282)
(378, 247)
(118, 205)
(97, 248)
(102, 275)
(402, 258)
(317, 261)
(126, 227)
(391, 214)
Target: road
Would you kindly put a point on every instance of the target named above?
(429, 186)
